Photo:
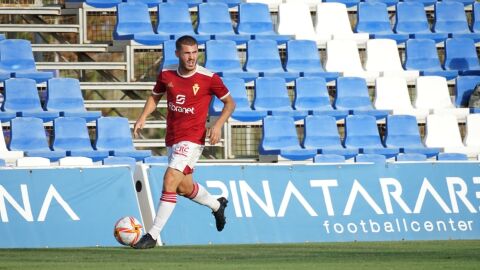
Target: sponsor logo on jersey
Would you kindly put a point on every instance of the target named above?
(180, 99)
(181, 149)
(195, 89)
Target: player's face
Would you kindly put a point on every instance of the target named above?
(187, 56)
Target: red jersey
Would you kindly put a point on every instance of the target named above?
(188, 101)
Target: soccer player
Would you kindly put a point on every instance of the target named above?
(189, 89)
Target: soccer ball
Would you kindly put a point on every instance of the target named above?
(127, 231)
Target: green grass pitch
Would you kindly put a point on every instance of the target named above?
(353, 255)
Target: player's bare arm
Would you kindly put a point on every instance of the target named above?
(215, 132)
(150, 106)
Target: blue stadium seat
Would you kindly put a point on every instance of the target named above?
(2, 163)
(464, 2)
(374, 158)
(64, 96)
(254, 19)
(373, 18)
(271, 96)
(476, 17)
(173, 19)
(461, 55)
(328, 158)
(402, 132)
(190, 3)
(279, 137)
(21, 97)
(214, 19)
(71, 135)
(156, 160)
(149, 3)
(130, 161)
(410, 18)
(263, 57)
(361, 132)
(421, 54)
(133, 23)
(311, 94)
(389, 3)
(28, 135)
(243, 111)
(450, 18)
(464, 86)
(168, 54)
(230, 3)
(321, 133)
(411, 157)
(348, 3)
(303, 57)
(425, 3)
(452, 157)
(16, 57)
(103, 3)
(114, 135)
(352, 95)
(221, 57)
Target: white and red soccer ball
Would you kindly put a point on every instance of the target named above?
(127, 231)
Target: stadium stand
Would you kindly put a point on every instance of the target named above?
(442, 131)
(461, 55)
(383, 57)
(391, 93)
(343, 56)
(156, 160)
(64, 96)
(243, 111)
(450, 18)
(263, 57)
(130, 161)
(190, 3)
(402, 132)
(372, 18)
(311, 94)
(279, 137)
(134, 23)
(254, 19)
(452, 157)
(472, 131)
(433, 94)
(28, 135)
(464, 2)
(271, 96)
(114, 135)
(168, 53)
(272, 4)
(389, 3)
(149, 3)
(411, 19)
(332, 22)
(21, 97)
(75, 161)
(426, 3)
(422, 55)
(16, 57)
(71, 135)
(464, 86)
(214, 19)
(221, 57)
(411, 157)
(103, 3)
(230, 3)
(371, 158)
(348, 3)
(303, 58)
(361, 132)
(295, 19)
(2, 163)
(326, 140)
(352, 95)
(32, 162)
(173, 19)
(476, 17)
(324, 158)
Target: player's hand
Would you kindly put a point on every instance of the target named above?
(137, 128)
(214, 134)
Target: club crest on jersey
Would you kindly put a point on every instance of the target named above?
(195, 89)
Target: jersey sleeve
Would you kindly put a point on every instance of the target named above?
(218, 88)
(159, 87)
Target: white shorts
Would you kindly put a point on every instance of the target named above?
(183, 156)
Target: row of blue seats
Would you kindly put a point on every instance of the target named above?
(254, 22)
(303, 59)
(71, 138)
(312, 97)
(381, 159)
(64, 98)
(321, 136)
(111, 160)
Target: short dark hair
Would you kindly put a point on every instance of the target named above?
(185, 40)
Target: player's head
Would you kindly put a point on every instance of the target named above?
(187, 53)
